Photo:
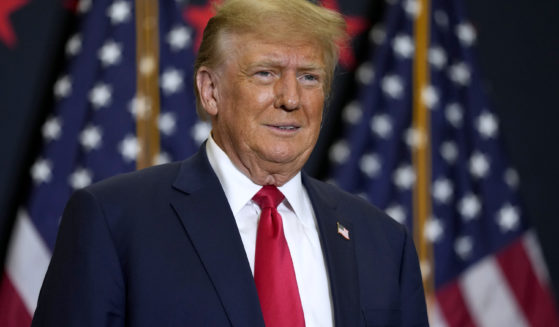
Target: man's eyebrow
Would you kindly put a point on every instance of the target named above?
(278, 63)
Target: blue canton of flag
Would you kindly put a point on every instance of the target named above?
(91, 133)
(487, 267)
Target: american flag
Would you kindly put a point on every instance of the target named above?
(91, 133)
(485, 266)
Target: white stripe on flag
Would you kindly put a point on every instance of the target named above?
(436, 318)
(27, 260)
(488, 297)
(532, 248)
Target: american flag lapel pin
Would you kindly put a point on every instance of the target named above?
(343, 231)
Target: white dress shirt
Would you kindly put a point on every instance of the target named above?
(299, 225)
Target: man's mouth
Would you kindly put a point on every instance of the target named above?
(286, 127)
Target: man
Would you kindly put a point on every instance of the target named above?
(236, 235)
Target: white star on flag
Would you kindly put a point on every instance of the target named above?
(179, 37)
(449, 151)
(52, 129)
(441, 18)
(430, 96)
(110, 53)
(100, 95)
(392, 86)
(479, 165)
(353, 112)
(90, 137)
(397, 213)
(80, 178)
(119, 12)
(511, 178)
(74, 45)
(167, 123)
(433, 230)
(83, 6)
(425, 268)
(508, 218)
(370, 165)
(63, 87)
(415, 137)
(41, 171)
(381, 125)
(147, 65)
(129, 148)
(163, 158)
(365, 73)
(403, 46)
(487, 125)
(442, 190)
(200, 131)
(466, 34)
(469, 207)
(464, 247)
(171, 81)
(339, 151)
(139, 106)
(377, 34)
(454, 114)
(437, 57)
(460, 74)
(404, 177)
(412, 8)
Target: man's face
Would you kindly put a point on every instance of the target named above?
(270, 98)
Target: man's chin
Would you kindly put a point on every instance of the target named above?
(295, 160)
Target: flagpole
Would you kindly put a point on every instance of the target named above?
(146, 103)
(421, 150)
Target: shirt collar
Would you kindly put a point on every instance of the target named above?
(239, 189)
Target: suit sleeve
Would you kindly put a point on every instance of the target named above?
(84, 284)
(414, 311)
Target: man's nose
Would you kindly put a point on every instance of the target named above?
(287, 92)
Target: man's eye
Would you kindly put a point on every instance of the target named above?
(263, 73)
(310, 78)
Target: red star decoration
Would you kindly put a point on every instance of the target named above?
(71, 5)
(7, 7)
(198, 17)
(354, 26)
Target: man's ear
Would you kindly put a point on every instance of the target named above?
(206, 82)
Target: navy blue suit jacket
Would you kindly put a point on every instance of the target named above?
(160, 247)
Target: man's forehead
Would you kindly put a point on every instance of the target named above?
(257, 49)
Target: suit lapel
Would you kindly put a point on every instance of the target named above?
(210, 225)
(339, 254)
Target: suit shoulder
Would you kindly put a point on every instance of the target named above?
(128, 199)
(355, 206)
(153, 178)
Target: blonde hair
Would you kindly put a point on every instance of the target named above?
(275, 20)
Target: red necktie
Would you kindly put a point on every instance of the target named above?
(273, 269)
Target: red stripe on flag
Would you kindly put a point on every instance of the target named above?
(453, 306)
(535, 300)
(13, 312)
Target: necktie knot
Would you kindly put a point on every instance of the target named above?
(268, 197)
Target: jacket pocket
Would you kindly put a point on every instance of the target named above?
(382, 317)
